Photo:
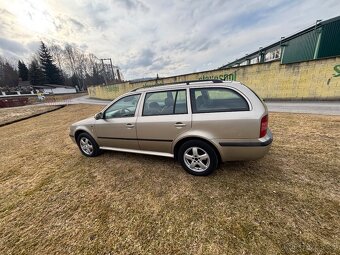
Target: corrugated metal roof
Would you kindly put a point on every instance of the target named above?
(301, 48)
(307, 39)
(330, 40)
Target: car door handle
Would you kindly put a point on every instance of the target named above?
(180, 124)
(129, 125)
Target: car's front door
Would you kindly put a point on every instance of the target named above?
(164, 117)
(117, 129)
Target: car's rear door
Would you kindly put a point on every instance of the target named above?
(223, 113)
(164, 116)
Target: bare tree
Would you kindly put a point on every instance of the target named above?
(70, 58)
(57, 54)
(83, 66)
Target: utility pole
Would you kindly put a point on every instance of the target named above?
(118, 74)
(109, 67)
(113, 74)
(105, 75)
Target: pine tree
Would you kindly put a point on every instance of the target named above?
(51, 71)
(36, 75)
(23, 71)
(8, 74)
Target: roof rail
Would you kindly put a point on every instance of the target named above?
(179, 82)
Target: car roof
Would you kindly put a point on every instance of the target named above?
(186, 84)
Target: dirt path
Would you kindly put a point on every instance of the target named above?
(8, 115)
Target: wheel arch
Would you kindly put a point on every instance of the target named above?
(80, 131)
(180, 142)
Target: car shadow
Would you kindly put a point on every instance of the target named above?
(157, 161)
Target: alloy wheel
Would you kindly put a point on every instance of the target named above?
(86, 145)
(196, 159)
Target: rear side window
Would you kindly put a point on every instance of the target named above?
(206, 100)
(165, 103)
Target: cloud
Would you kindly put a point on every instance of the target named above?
(133, 5)
(195, 44)
(160, 63)
(98, 13)
(143, 58)
(77, 24)
(67, 25)
(12, 46)
(5, 12)
(33, 46)
(6, 20)
(145, 37)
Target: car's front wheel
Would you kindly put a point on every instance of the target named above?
(198, 157)
(88, 145)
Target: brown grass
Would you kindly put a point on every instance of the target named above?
(16, 113)
(53, 200)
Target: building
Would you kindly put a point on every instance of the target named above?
(316, 42)
(55, 89)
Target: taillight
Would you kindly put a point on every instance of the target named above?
(264, 126)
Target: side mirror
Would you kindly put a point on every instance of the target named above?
(99, 116)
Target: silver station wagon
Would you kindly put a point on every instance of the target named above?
(199, 123)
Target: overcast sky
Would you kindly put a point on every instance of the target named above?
(146, 37)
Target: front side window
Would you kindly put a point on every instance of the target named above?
(165, 103)
(206, 100)
(124, 107)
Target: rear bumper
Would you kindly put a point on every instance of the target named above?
(245, 149)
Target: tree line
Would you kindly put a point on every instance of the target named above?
(66, 65)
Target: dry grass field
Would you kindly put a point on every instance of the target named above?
(53, 200)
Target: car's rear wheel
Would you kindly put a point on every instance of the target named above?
(198, 157)
(88, 145)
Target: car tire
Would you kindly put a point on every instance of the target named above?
(87, 145)
(198, 157)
